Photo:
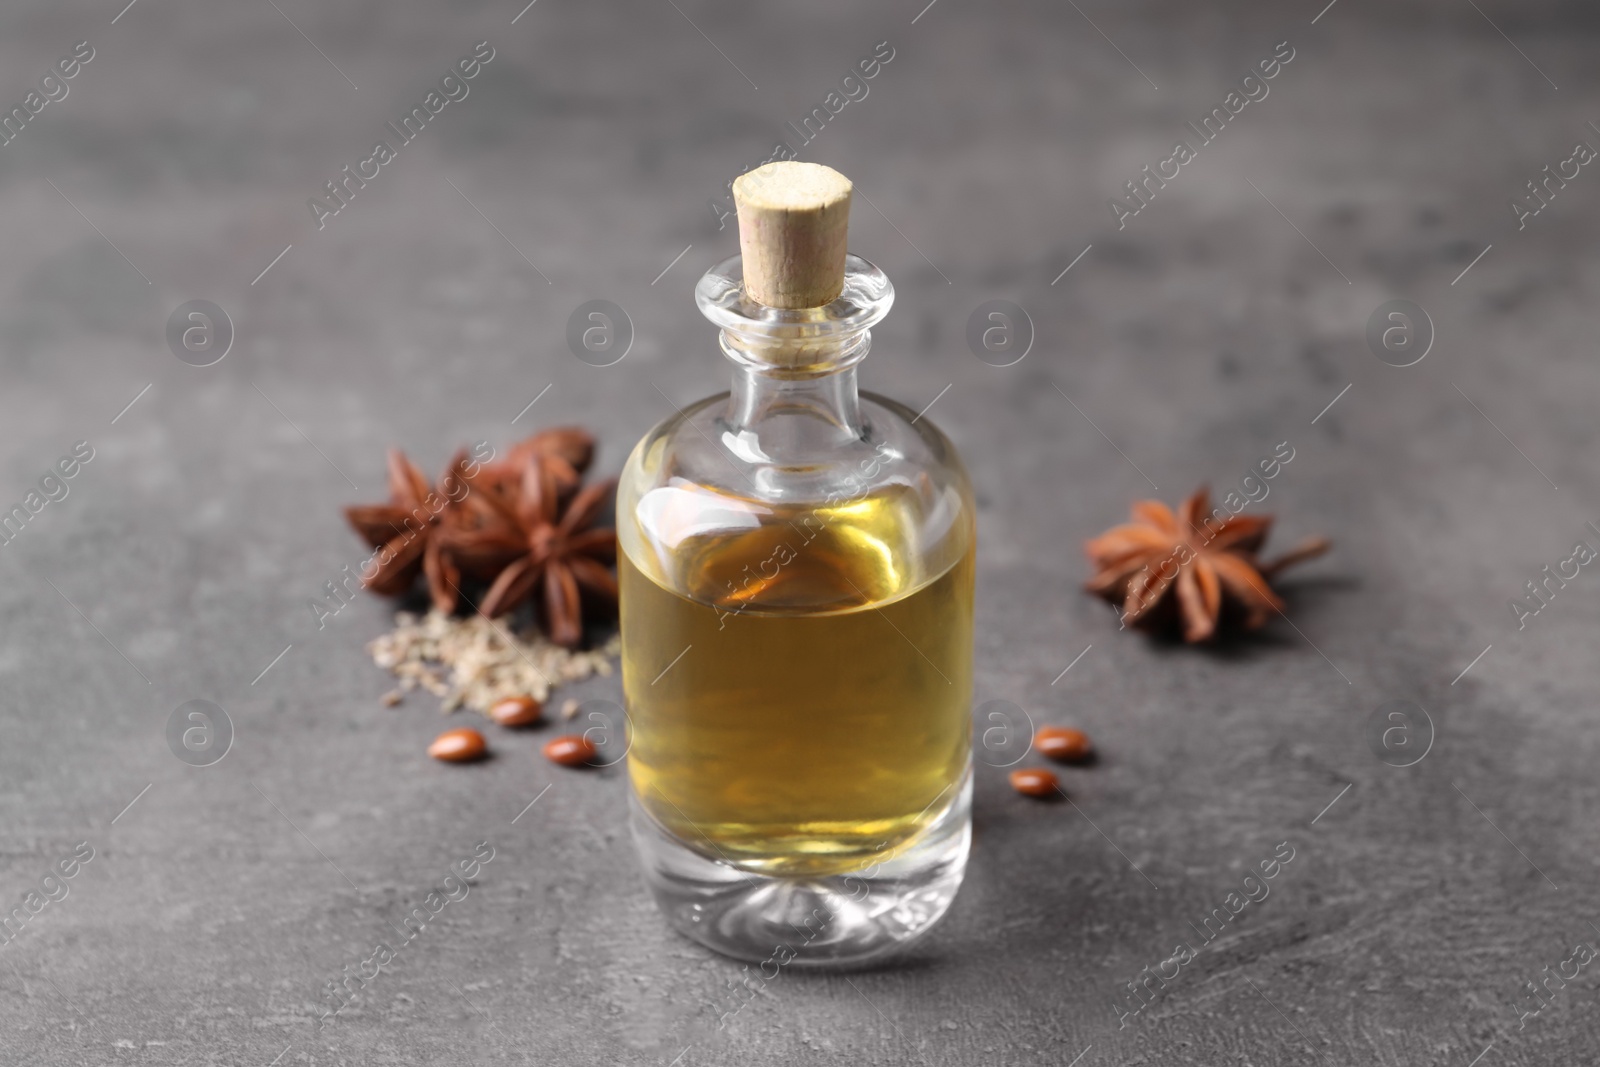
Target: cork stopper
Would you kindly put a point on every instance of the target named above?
(793, 223)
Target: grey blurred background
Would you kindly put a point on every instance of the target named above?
(1229, 315)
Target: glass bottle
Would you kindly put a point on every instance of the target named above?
(796, 569)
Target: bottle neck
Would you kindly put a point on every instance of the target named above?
(794, 387)
(784, 416)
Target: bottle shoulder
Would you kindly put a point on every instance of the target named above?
(705, 509)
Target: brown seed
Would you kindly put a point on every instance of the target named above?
(517, 711)
(1033, 782)
(459, 746)
(569, 750)
(1063, 743)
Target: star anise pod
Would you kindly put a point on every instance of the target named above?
(483, 536)
(1162, 567)
(406, 530)
(565, 451)
(559, 549)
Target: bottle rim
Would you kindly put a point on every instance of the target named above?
(865, 299)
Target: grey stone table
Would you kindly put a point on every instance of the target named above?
(1172, 346)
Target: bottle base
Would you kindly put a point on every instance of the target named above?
(833, 920)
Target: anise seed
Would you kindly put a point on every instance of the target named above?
(516, 711)
(1033, 782)
(1063, 743)
(569, 750)
(459, 746)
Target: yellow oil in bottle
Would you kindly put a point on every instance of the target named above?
(799, 689)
